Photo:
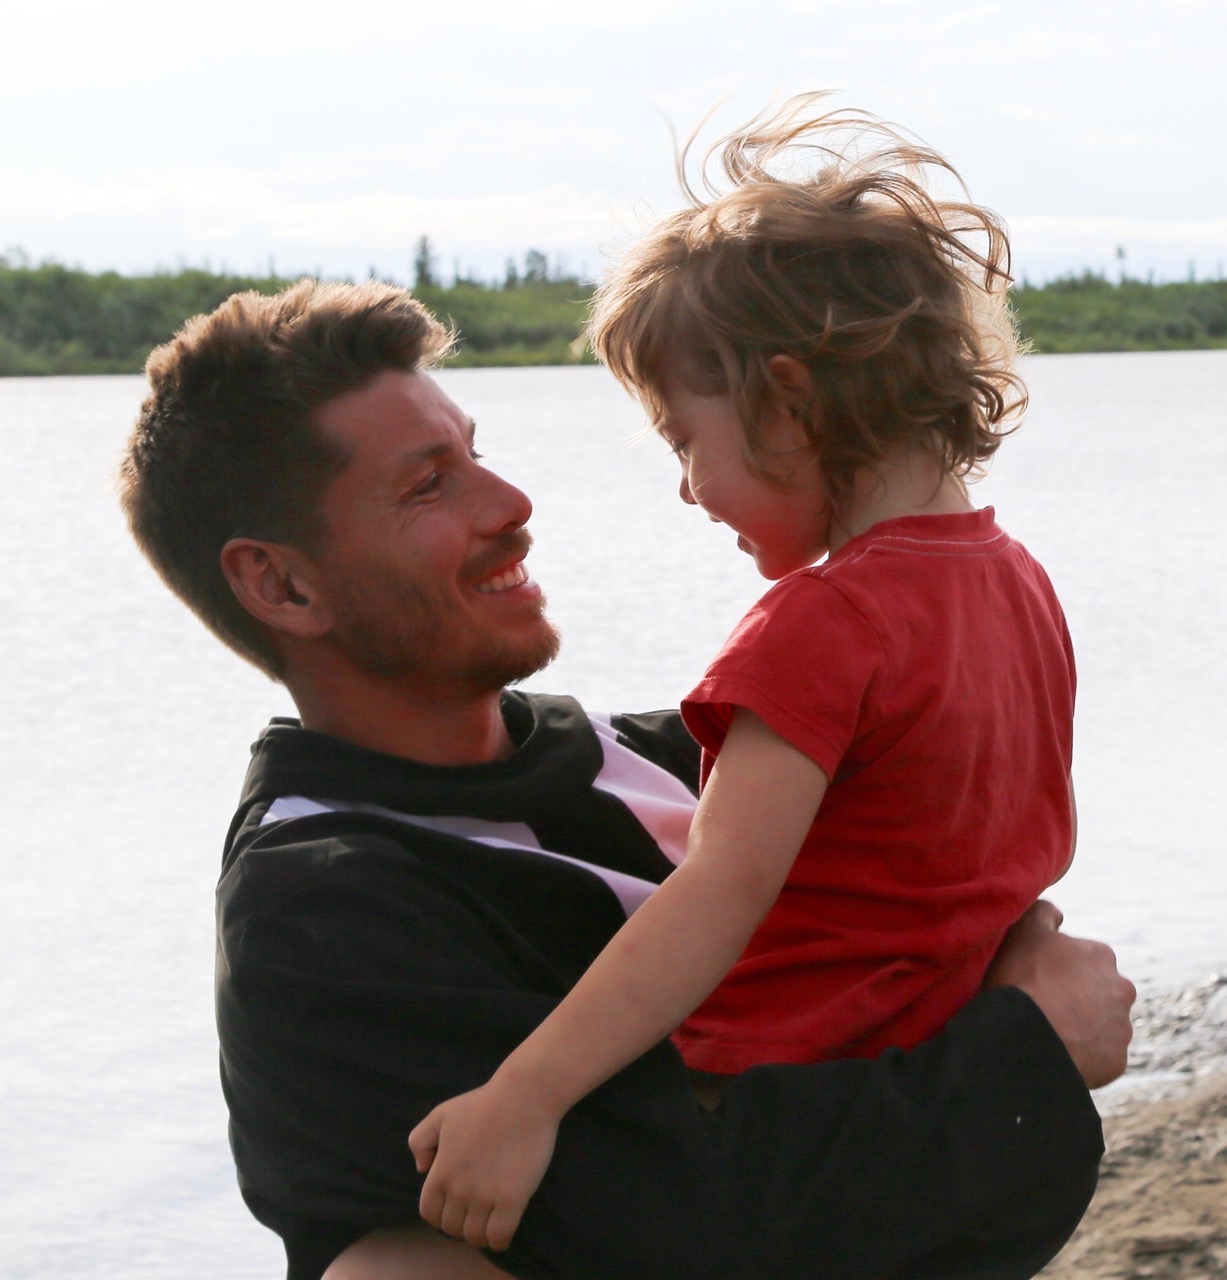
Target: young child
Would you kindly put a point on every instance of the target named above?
(887, 735)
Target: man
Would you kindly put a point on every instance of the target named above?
(420, 869)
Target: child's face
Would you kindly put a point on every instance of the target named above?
(783, 529)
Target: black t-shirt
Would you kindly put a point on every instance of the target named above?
(389, 931)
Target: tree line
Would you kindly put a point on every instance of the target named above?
(1091, 313)
(56, 319)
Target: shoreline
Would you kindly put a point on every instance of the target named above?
(1161, 1207)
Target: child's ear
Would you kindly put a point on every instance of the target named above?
(792, 377)
(790, 424)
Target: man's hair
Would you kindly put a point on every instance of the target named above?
(226, 445)
(827, 246)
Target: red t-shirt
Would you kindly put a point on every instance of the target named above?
(926, 668)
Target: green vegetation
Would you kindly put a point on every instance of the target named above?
(56, 319)
(534, 323)
(1089, 313)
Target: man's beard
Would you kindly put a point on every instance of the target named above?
(404, 637)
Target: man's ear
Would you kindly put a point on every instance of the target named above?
(274, 584)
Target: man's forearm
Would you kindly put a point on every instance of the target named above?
(1077, 986)
(972, 1156)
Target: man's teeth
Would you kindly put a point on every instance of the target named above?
(512, 577)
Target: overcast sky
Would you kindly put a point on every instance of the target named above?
(332, 135)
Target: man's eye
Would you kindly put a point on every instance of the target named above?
(428, 486)
(477, 457)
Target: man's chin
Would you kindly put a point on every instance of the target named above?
(499, 669)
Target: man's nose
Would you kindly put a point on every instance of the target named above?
(506, 507)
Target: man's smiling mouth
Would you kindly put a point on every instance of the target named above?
(516, 576)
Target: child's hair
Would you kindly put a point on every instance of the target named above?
(892, 298)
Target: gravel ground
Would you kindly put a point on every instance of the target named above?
(1161, 1208)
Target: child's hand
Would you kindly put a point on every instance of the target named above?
(486, 1153)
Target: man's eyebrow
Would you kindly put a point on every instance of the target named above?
(429, 452)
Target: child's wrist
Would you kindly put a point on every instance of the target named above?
(533, 1087)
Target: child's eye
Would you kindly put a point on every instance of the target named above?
(679, 447)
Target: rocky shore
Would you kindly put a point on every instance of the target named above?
(1161, 1208)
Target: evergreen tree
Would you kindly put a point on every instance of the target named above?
(424, 266)
(536, 267)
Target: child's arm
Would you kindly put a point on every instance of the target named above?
(1073, 839)
(488, 1150)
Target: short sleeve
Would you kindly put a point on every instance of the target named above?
(801, 660)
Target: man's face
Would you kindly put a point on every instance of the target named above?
(422, 566)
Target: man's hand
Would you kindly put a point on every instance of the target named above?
(486, 1153)
(1077, 986)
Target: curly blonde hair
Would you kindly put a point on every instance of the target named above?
(824, 243)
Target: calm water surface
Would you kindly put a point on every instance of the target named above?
(125, 729)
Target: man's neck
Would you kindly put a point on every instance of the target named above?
(427, 729)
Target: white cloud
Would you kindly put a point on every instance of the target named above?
(213, 205)
(965, 17)
(1072, 232)
(559, 214)
(487, 124)
(1048, 245)
(1079, 130)
(64, 195)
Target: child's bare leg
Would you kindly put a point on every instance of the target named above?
(411, 1253)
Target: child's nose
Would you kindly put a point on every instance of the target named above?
(683, 490)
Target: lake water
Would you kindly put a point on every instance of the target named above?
(125, 730)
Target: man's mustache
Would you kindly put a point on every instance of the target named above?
(504, 550)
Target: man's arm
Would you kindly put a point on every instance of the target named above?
(416, 1253)
(382, 985)
(1078, 988)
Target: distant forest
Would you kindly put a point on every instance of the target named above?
(56, 319)
(1091, 313)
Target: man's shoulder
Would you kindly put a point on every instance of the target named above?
(557, 741)
(612, 794)
(311, 866)
(662, 738)
(659, 737)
